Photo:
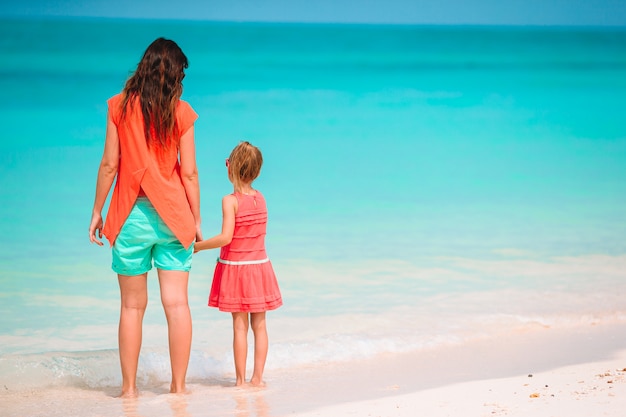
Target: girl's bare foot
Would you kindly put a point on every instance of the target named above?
(257, 383)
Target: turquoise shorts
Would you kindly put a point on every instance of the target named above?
(145, 238)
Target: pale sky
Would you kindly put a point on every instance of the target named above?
(489, 12)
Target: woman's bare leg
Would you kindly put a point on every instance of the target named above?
(240, 345)
(173, 286)
(261, 344)
(134, 299)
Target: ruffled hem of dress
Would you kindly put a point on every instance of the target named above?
(245, 288)
(233, 306)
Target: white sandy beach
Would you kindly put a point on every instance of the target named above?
(541, 373)
(590, 389)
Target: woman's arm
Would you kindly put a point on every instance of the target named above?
(229, 209)
(106, 174)
(189, 175)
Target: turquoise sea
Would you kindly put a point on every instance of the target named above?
(426, 185)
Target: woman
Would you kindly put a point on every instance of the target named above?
(154, 214)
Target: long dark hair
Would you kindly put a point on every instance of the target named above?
(157, 83)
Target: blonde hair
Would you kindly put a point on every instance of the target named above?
(245, 163)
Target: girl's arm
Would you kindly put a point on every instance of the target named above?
(106, 174)
(229, 209)
(189, 176)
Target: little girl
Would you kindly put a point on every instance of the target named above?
(244, 283)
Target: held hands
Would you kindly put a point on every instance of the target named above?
(198, 239)
(96, 227)
(198, 233)
(197, 246)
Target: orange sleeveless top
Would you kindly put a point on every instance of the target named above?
(155, 171)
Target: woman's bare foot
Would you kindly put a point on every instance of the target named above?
(178, 390)
(129, 393)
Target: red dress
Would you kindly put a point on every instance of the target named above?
(244, 280)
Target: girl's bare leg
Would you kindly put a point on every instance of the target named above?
(173, 286)
(134, 299)
(261, 343)
(240, 345)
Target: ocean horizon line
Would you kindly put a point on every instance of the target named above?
(286, 23)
